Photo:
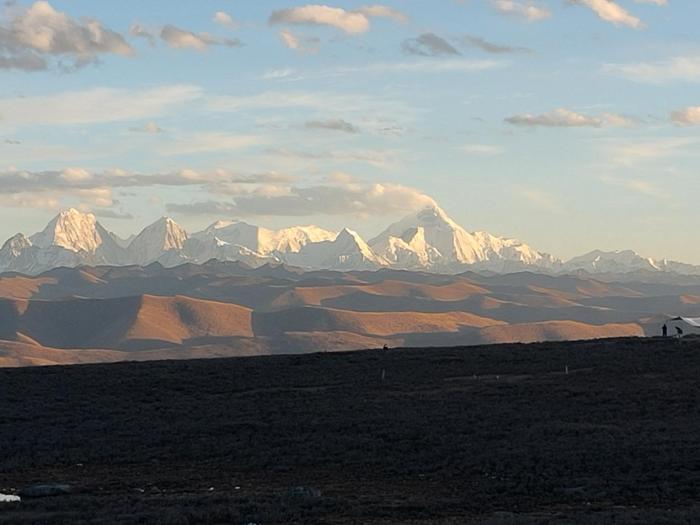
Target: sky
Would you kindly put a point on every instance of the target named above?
(569, 124)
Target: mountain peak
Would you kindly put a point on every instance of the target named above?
(166, 221)
(347, 251)
(431, 238)
(613, 261)
(433, 212)
(347, 232)
(16, 244)
(425, 240)
(73, 230)
(163, 236)
(168, 233)
(74, 213)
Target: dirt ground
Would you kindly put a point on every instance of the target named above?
(494, 435)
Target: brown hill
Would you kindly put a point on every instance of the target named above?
(556, 331)
(229, 309)
(131, 322)
(311, 319)
(16, 354)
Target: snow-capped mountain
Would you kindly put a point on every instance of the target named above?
(80, 233)
(72, 238)
(348, 251)
(19, 255)
(427, 240)
(598, 261)
(264, 241)
(625, 261)
(163, 241)
(431, 240)
(200, 248)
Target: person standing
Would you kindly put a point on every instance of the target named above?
(664, 330)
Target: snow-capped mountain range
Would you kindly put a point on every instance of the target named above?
(427, 240)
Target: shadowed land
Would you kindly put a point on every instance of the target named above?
(493, 434)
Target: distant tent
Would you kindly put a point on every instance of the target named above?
(692, 321)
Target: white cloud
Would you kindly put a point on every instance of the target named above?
(150, 127)
(138, 31)
(183, 39)
(425, 66)
(299, 43)
(351, 22)
(490, 47)
(337, 124)
(376, 158)
(640, 186)
(616, 120)
(40, 30)
(325, 102)
(541, 199)
(565, 118)
(208, 143)
(100, 197)
(383, 11)
(75, 174)
(343, 198)
(527, 10)
(643, 152)
(224, 19)
(429, 44)
(290, 39)
(674, 69)
(612, 12)
(277, 74)
(689, 116)
(653, 2)
(92, 106)
(35, 202)
(347, 21)
(79, 187)
(484, 150)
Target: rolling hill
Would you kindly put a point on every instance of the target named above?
(222, 309)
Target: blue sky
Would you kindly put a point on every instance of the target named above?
(571, 125)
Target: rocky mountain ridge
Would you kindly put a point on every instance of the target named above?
(427, 240)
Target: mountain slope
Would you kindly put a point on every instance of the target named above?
(263, 241)
(122, 323)
(348, 251)
(72, 238)
(625, 261)
(162, 241)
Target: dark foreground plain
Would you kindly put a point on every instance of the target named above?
(494, 435)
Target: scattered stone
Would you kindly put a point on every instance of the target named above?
(45, 491)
